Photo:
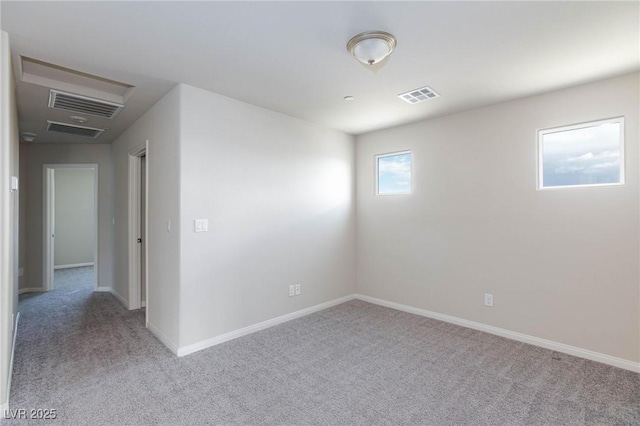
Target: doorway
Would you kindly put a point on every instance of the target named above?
(142, 230)
(70, 219)
(138, 248)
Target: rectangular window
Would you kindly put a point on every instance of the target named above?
(588, 154)
(393, 173)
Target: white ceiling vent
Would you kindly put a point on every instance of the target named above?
(70, 129)
(83, 104)
(418, 95)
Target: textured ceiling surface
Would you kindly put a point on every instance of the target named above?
(291, 57)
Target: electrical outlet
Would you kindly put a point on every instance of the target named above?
(488, 299)
(292, 291)
(297, 289)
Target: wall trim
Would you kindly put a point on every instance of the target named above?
(135, 216)
(13, 351)
(164, 339)
(513, 335)
(207, 343)
(31, 290)
(73, 265)
(48, 193)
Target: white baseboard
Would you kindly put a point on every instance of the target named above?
(73, 265)
(164, 339)
(31, 290)
(115, 293)
(186, 350)
(5, 406)
(525, 338)
(119, 297)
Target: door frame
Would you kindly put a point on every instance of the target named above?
(48, 243)
(135, 216)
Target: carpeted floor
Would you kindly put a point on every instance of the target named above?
(73, 279)
(84, 355)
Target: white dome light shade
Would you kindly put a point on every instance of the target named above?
(371, 47)
(371, 50)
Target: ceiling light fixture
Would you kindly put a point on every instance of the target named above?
(371, 47)
(349, 98)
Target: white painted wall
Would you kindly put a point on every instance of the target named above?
(161, 126)
(278, 194)
(9, 166)
(74, 217)
(562, 265)
(33, 157)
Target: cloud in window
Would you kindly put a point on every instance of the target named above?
(584, 156)
(394, 174)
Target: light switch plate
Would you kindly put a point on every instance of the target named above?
(201, 225)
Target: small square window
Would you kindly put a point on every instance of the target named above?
(589, 154)
(393, 172)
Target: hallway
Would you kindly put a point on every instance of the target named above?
(72, 341)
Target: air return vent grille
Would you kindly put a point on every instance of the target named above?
(70, 129)
(83, 104)
(418, 95)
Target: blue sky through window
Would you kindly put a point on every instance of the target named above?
(394, 174)
(589, 155)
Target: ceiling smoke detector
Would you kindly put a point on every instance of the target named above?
(78, 119)
(28, 136)
(371, 47)
(416, 96)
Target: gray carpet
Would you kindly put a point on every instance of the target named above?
(357, 363)
(70, 279)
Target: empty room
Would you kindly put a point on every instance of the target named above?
(320, 213)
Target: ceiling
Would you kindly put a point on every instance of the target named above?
(290, 57)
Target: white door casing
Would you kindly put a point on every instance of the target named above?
(48, 237)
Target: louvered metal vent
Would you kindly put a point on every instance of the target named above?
(83, 104)
(70, 129)
(418, 95)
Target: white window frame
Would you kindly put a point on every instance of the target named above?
(377, 172)
(543, 132)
